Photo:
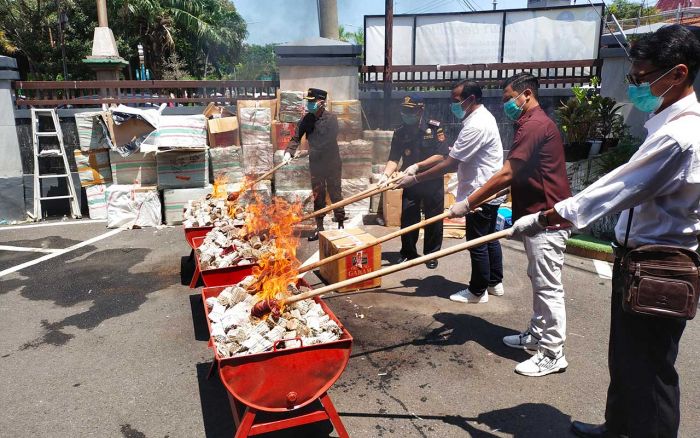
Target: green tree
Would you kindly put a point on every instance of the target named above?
(626, 9)
(257, 61)
(206, 35)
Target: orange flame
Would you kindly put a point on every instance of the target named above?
(280, 267)
(219, 190)
(233, 197)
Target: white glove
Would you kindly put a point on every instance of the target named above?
(411, 170)
(459, 209)
(407, 181)
(287, 157)
(528, 225)
(301, 153)
(383, 181)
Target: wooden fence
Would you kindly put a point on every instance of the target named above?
(555, 74)
(69, 94)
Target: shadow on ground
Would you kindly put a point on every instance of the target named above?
(522, 421)
(102, 278)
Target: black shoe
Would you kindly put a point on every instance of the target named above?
(403, 259)
(341, 226)
(313, 237)
(431, 264)
(587, 430)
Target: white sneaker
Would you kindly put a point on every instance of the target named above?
(496, 291)
(522, 341)
(466, 296)
(543, 363)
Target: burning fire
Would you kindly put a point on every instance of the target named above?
(245, 185)
(278, 268)
(219, 190)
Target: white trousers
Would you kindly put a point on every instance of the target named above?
(545, 254)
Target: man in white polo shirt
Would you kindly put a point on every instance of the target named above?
(476, 155)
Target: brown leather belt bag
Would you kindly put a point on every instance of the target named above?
(660, 280)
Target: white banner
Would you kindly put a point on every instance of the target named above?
(402, 41)
(534, 35)
(551, 35)
(459, 38)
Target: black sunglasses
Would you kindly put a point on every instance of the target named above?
(636, 79)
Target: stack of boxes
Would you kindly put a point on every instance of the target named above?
(185, 154)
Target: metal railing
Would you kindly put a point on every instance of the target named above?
(687, 16)
(138, 93)
(552, 74)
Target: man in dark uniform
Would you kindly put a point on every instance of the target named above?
(420, 145)
(321, 130)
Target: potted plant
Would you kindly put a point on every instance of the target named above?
(588, 117)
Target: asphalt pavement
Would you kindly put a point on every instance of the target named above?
(107, 340)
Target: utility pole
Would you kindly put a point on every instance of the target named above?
(388, 38)
(328, 19)
(62, 20)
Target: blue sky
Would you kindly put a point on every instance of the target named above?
(279, 21)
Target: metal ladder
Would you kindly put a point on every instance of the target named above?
(50, 153)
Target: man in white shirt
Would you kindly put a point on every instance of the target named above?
(476, 155)
(661, 183)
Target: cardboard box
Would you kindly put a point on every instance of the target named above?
(126, 132)
(391, 207)
(180, 170)
(223, 132)
(259, 103)
(93, 167)
(361, 262)
(97, 201)
(282, 134)
(137, 168)
(213, 111)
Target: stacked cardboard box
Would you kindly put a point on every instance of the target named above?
(361, 262)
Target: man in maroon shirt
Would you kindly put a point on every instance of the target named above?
(536, 173)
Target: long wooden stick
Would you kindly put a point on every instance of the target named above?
(357, 197)
(269, 172)
(389, 236)
(401, 266)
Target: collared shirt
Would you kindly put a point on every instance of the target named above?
(661, 181)
(479, 151)
(541, 182)
(414, 143)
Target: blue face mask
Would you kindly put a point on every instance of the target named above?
(643, 99)
(457, 110)
(311, 106)
(511, 108)
(410, 118)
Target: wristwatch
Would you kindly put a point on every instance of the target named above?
(542, 219)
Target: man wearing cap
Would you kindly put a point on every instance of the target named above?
(321, 130)
(419, 144)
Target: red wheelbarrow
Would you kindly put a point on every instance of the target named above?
(191, 234)
(283, 381)
(218, 276)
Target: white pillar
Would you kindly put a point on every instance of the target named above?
(11, 184)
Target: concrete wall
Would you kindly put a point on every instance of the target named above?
(341, 81)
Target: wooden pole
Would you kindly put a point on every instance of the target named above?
(357, 197)
(388, 51)
(382, 239)
(401, 266)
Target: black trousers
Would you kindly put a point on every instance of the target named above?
(431, 198)
(322, 182)
(487, 259)
(644, 394)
